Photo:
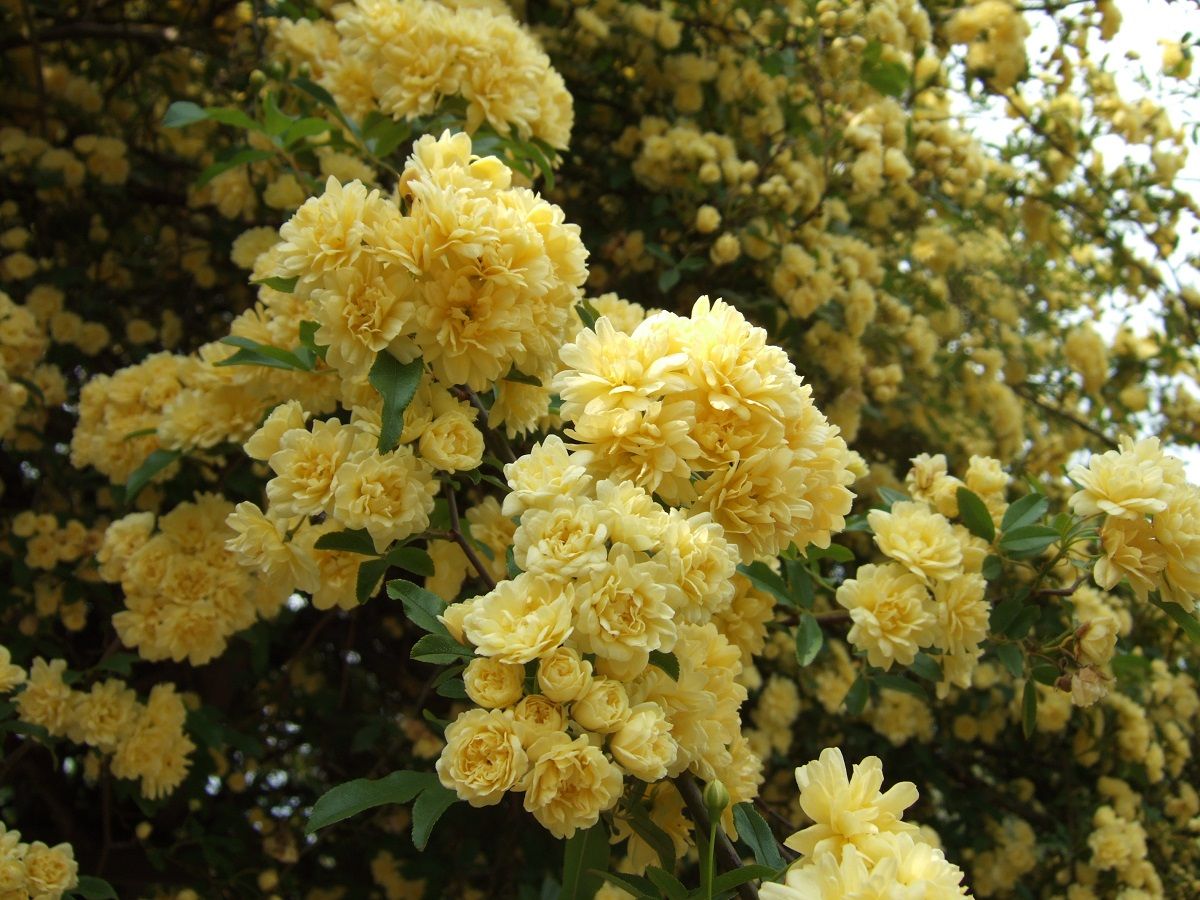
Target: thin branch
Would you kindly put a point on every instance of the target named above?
(459, 538)
(726, 854)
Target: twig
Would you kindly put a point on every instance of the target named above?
(728, 856)
(459, 538)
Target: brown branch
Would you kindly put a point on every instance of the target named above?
(459, 538)
(698, 812)
(1032, 396)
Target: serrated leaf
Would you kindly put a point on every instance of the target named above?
(411, 559)
(1024, 512)
(434, 801)
(1012, 658)
(762, 577)
(1029, 705)
(421, 606)
(584, 856)
(755, 833)
(141, 476)
(356, 540)
(809, 639)
(974, 514)
(1019, 627)
(370, 571)
(993, 568)
(1181, 617)
(1003, 613)
(397, 384)
(353, 797)
(668, 662)
(440, 650)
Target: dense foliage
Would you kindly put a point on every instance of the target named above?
(595, 449)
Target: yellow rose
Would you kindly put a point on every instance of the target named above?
(50, 871)
(538, 715)
(452, 443)
(572, 782)
(520, 619)
(563, 675)
(604, 707)
(643, 745)
(493, 684)
(483, 757)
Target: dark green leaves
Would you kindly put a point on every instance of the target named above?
(808, 639)
(433, 801)
(1185, 620)
(855, 700)
(1029, 540)
(440, 650)
(668, 662)
(348, 541)
(353, 797)
(280, 283)
(889, 77)
(1010, 655)
(585, 855)
(974, 514)
(762, 577)
(396, 383)
(587, 314)
(421, 606)
(182, 113)
(252, 353)
(92, 888)
(155, 463)
(1024, 512)
(756, 834)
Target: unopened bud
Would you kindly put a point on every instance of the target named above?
(716, 798)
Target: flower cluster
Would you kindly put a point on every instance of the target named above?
(705, 414)
(405, 57)
(1151, 529)
(146, 741)
(35, 870)
(859, 844)
(185, 593)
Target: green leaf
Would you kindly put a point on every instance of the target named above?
(809, 639)
(1029, 703)
(141, 476)
(656, 839)
(800, 582)
(1024, 512)
(325, 98)
(668, 662)
(1019, 627)
(121, 663)
(1129, 667)
(975, 515)
(1045, 674)
(421, 606)
(183, 112)
(411, 559)
(308, 338)
(440, 650)
(396, 383)
(1028, 541)
(1013, 659)
(92, 888)
(727, 881)
(233, 117)
(585, 855)
(890, 495)
(281, 284)
(252, 353)
(1185, 620)
(353, 797)
(304, 128)
(587, 313)
(888, 77)
(275, 120)
(234, 159)
(1004, 613)
(369, 573)
(671, 887)
(993, 568)
(755, 833)
(355, 540)
(901, 684)
(836, 552)
(434, 801)
(762, 577)
(641, 887)
(668, 279)
(856, 698)
(925, 666)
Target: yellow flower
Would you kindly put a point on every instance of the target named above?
(563, 675)
(1129, 483)
(46, 700)
(388, 494)
(483, 757)
(570, 784)
(305, 465)
(604, 706)
(452, 443)
(565, 541)
(848, 810)
(259, 545)
(891, 611)
(962, 613)
(361, 309)
(101, 716)
(918, 538)
(643, 745)
(1130, 551)
(701, 562)
(12, 676)
(50, 871)
(625, 609)
(521, 619)
(493, 684)
(542, 475)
